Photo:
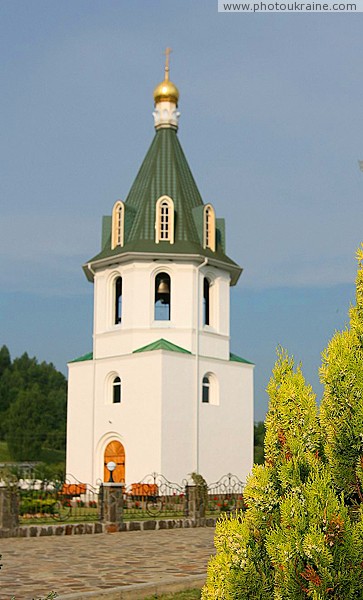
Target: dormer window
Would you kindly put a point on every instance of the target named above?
(164, 225)
(118, 219)
(209, 228)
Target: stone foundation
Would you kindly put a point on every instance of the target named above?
(91, 528)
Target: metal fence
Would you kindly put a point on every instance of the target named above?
(225, 495)
(44, 501)
(154, 497)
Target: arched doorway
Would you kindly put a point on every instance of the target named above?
(115, 452)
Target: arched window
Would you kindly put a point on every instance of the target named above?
(164, 224)
(162, 297)
(210, 389)
(116, 390)
(118, 300)
(209, 228)
(118, 214)
(206, 301)
(206, 389)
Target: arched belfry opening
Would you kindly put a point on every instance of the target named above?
(114, 452)
(162, 308)
(206, 301)
(118, 300)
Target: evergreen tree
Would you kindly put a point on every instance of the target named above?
(297, 539)
(5, 360)
(341, 412)
(32, 406)
(25, 431)
(244, 567)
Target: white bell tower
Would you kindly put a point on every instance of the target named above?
(161, 391)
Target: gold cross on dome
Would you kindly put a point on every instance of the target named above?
(167, 58)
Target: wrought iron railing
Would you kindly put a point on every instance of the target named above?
(154, 497)
(70, 500)
(225, 495)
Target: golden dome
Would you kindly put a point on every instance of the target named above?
(166, 91)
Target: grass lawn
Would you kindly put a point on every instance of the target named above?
(46, 455)
(4, 453)
(49, 456)
(187, 595)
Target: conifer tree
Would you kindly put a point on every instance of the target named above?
(341, 412)
(32, 406)
(24, 422)
(5, 360)
(243, 567)
(296, 539)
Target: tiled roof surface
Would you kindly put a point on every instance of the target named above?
(235, 358)
(88, 356)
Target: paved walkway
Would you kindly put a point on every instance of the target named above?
(132, 564)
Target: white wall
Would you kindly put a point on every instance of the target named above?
(79, 462)
(226, 428)
(94, 421)
(137, 419)
(178, 434)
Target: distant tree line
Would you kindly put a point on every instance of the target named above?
(33, 402)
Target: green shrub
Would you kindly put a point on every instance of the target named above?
(301, 535)
(32, 506)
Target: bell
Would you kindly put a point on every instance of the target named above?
(163, 287)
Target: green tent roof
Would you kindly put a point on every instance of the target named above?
(164, 171)
(162, 345)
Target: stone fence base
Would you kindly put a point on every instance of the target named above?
(91, 528)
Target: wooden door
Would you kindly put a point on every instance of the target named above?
(115, 452)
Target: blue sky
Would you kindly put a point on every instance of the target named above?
(271, 123)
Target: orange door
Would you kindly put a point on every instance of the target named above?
(115, 452)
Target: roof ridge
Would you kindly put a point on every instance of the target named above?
(161, 344)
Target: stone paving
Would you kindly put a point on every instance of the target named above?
(91, 565)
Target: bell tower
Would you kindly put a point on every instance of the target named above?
(161, 381)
